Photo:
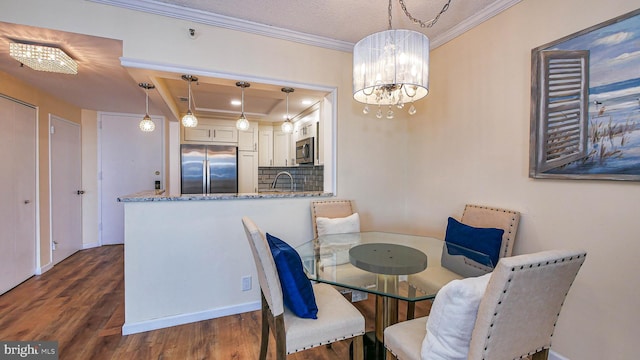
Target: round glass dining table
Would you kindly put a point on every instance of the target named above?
(392, 266)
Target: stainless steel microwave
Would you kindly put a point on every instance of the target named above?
(304, 151)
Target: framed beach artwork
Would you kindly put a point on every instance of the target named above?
(585, 104)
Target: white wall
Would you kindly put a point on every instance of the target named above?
(472, 146)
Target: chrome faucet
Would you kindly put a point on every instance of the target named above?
(273, 184)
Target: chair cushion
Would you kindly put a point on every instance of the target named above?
(452, 319)
(328, 226)
(297, 291)
(484, 240)
(337, 319)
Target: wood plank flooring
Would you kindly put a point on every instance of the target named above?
(80, 304)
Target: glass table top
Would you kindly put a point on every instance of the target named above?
(326, 259)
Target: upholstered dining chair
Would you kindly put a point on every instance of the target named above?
(491, 217)
(336, 319)
(476, 216)
(507, 314)
(329, 209)
(341, 218)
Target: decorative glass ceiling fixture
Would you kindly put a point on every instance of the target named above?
(391, 68)
(242, 123)
(43, 58)
(189, 120)
(287, 125)
(146, 124)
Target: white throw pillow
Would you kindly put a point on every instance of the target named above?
(349, 224)
(452, 318)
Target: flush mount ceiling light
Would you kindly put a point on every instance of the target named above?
(189, 120)
(43, 58)
(391, 68)
(146, 124)
(242, 123)
(287, 125)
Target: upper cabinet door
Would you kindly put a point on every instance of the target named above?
(211, 134)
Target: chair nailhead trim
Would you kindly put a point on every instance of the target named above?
(505, 291)
(324, 343)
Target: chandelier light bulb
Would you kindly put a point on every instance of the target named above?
(189, 120)
(242, 124)
(146, 124)
(287, 125)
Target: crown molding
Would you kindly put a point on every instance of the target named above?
(473, 21)
(227, 22)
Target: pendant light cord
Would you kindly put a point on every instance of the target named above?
(146, 89)
(242, 102)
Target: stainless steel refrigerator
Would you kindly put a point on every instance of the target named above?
(208, 169)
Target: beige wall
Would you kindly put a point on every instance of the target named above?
(472, 146)
(46, 105)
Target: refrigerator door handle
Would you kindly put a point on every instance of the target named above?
(204, 176)
(208, 176)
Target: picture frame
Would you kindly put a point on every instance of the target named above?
(585, 103)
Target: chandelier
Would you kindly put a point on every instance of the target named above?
(146, 124)
(242, 123)
(43, 58)
(391, 68)
(287, 125)
(189, 120)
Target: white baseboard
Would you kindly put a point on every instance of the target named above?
(155, 324)
(555, 356)
(43, 269)
(90, 245)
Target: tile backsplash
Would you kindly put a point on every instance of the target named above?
(305, 178)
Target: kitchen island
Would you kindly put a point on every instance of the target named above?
(187, 258)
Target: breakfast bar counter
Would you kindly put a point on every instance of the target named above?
(151, 195)
(187, 258)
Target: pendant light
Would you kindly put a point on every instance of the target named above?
(146, 124)
(391, 68)
(242, 124)
(287, 125)
(189, 120)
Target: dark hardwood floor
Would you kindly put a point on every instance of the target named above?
(80, 304)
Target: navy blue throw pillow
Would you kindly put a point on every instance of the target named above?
(484, 240)
(297, 291)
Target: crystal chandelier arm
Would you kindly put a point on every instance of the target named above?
(423, 24)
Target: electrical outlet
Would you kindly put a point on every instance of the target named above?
(246, 283)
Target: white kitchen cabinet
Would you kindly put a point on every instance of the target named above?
(248, 140)
(211, 133)
(247, 171)
(265, 146)
(281, 149)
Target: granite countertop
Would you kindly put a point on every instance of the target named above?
(151, 195)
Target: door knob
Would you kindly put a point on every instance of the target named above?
(80, 192)
(27, 201)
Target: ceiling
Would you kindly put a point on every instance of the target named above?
(103, 84)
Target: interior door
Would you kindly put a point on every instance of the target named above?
(66, 187)
(18, 193)
(130, 162)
